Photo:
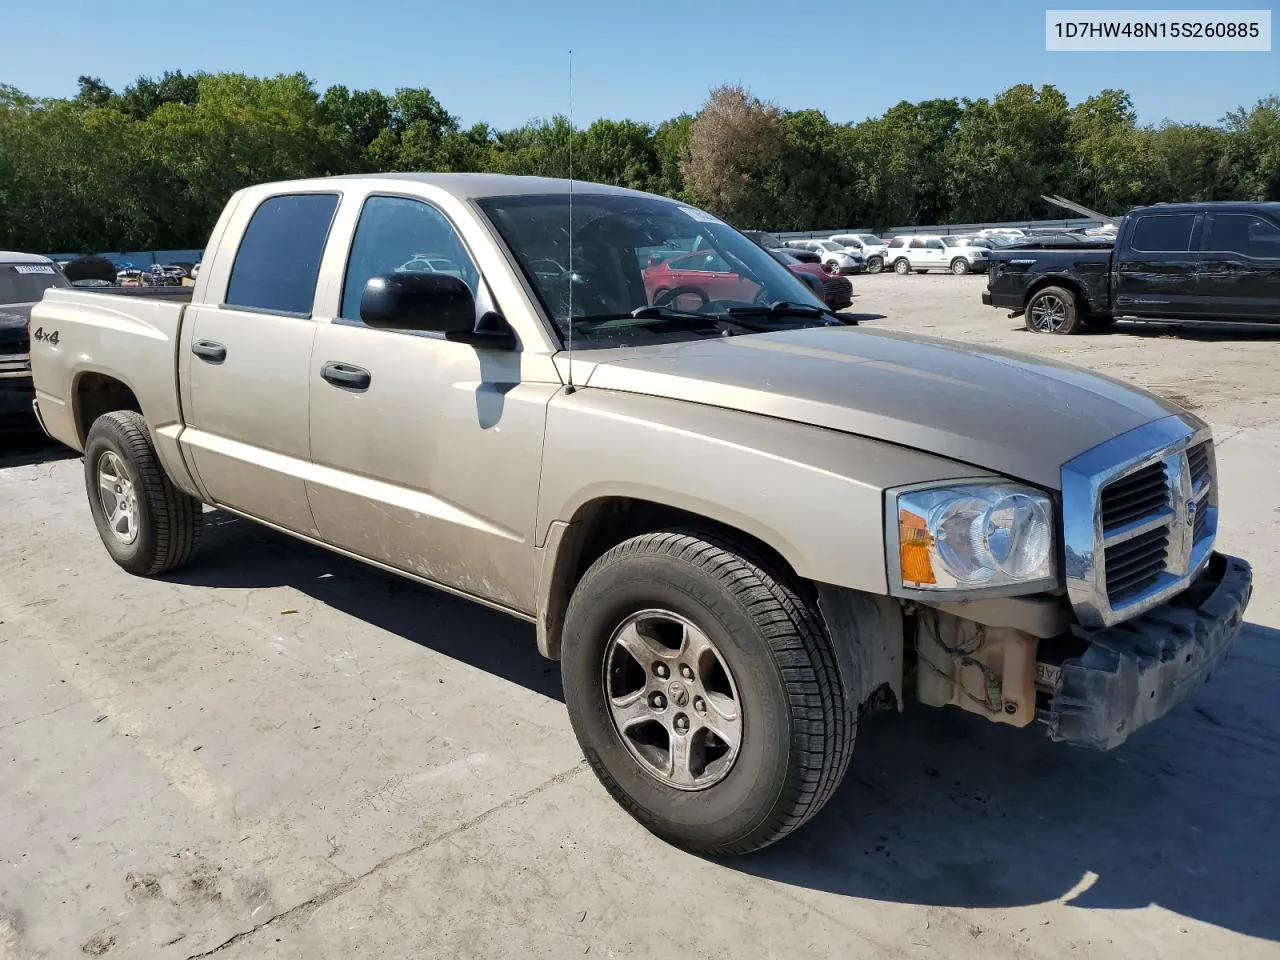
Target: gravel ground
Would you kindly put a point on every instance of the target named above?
(282, 754)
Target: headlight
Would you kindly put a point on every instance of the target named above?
(975, 536)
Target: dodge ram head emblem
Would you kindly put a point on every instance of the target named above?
(1191, 511)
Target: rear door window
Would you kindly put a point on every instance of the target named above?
(278, 261)
(1163, 233)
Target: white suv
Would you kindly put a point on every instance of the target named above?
(874, 250)
(833, 255)
(925, 252)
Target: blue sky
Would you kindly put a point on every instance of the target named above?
(504, 61)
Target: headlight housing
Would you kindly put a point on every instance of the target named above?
(972, 538)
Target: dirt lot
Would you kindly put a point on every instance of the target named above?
(282, 754)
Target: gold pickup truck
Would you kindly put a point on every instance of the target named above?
(739, 520)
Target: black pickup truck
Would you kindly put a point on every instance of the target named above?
(1172, 261)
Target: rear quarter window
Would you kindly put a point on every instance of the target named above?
(278, 262)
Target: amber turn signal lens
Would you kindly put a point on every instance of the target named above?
(914, 542)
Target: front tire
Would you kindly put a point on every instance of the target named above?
(147, 524)
(959, 266)
(1053, 310)
(875, 265)
(902, 267)
(704, 691)
(834, 265)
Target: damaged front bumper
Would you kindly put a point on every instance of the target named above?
(1135, 672)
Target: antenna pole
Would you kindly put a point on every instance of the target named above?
(569, 387)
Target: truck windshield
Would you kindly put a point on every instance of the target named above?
(630, 253)
(27, 282)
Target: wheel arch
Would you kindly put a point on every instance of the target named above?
(1058, 280)
(94, 393)
(602, 523)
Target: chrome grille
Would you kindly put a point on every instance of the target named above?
(15, 360)
(1139, 519)
(1200, 463)
(1137, 495)
(1136, 564)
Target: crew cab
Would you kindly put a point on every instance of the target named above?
(738, 523)
(1183, 261)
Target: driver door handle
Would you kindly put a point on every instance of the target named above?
(209, 351)
(346, 375)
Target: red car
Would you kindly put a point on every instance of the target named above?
(706, 276)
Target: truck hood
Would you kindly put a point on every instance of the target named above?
(999, 411)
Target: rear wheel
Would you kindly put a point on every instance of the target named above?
(902, 267)
(704, 691)
(1053, 310)
(147, 524)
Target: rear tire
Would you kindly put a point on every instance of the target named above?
(147, 524)
(1053, 310)
(902, 267)
(766, 659)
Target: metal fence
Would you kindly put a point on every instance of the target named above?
(950, 228)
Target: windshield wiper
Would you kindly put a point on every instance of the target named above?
(667, 317)
(785, 308)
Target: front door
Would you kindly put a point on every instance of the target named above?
(246, 361)
(1240, 268)
(426, 452)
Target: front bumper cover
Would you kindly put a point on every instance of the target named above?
(1136, 671)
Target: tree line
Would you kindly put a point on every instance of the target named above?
(150, 166)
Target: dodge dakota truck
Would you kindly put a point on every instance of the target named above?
(1173, 261)
(739, 525)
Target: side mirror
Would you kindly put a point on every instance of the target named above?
(432, 302)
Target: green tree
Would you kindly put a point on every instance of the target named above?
(1254, 148)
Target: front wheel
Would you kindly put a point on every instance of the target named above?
(1053, 310)
(704, 691)
(902, 267)
(959, 266)
(147, 524)
(834, 265)
(875, 265)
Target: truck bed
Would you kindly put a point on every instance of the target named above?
(85, 334)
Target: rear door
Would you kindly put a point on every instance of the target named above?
(1156, 270)
(1240, 269)
(248, 357)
